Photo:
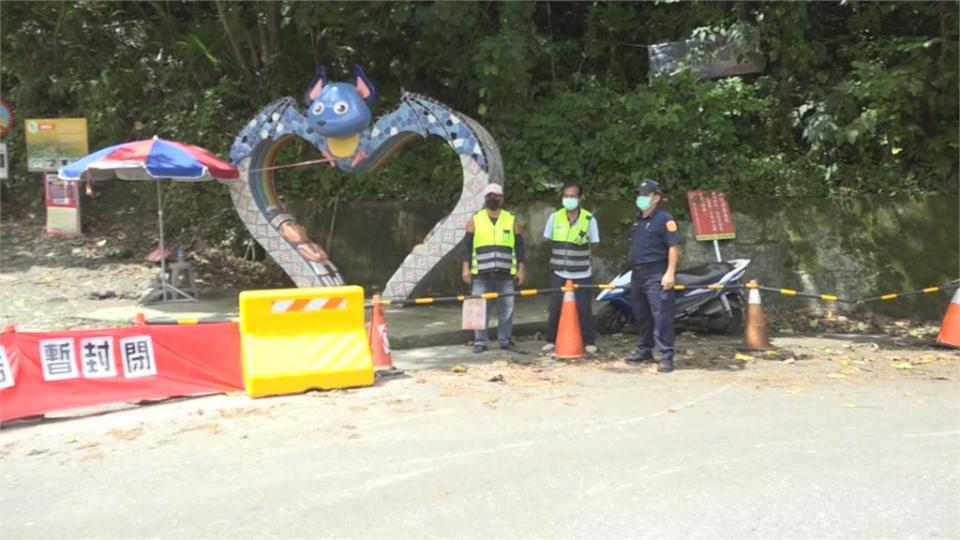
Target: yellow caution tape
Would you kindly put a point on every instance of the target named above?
(489, 295)
(423, 301)
(715, 286)
(788, 292)
(829, 297)
(528, 292)
(679, 287)
(890, 296)
(608, 286)
(461, 297)
(929, 290)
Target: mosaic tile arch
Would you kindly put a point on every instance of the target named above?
(337, 122)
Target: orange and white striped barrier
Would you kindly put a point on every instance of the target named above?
(308, 304)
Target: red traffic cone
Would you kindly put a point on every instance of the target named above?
(755, 331)
(139, 319)
(569, 341)
(379, 342)
(950, 329)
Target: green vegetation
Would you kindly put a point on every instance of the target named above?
(855, 98)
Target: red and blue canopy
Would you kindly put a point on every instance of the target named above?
(153, 159)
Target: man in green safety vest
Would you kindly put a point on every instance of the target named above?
(571, 231)
(493, 258)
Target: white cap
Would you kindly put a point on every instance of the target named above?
(496, 189)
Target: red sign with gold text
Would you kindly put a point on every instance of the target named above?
(711, 215)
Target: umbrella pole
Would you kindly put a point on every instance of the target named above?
(165, 286)
(163, 254)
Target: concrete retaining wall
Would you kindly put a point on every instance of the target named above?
(851, 248)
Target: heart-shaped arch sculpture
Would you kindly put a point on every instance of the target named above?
(364, 150)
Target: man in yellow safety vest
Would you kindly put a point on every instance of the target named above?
(493, 258)
(571, 231)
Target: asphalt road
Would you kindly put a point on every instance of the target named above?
(559, 451)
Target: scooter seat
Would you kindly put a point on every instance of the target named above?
(706, 274)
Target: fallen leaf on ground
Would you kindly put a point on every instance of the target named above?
(458, 369)
(126, 434)
(92, 456)
(743, 357)
(901, 365)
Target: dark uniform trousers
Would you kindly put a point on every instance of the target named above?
(653, 310)
(584, 299)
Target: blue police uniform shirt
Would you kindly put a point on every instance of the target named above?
(652, 236)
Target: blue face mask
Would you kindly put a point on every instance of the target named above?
(571, 203)
(644, 202)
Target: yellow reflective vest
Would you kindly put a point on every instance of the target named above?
(570, 246)
(494, 244)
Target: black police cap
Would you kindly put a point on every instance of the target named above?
(648, 187)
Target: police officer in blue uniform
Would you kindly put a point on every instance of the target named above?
(654, 252)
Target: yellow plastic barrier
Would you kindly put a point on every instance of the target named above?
(297, 339)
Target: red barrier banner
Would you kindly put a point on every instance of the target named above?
(42, 372)
(711, 216)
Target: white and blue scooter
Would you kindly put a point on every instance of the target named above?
(719, 310)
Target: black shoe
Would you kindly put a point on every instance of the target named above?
(665, 366)
(509, 346)
(479, 348)
(637, 359)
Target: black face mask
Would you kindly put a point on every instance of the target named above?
(493, 203)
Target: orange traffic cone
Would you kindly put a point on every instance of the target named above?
(755, 331)
(569, 341)
(139, 319)
(379, 342)
(950, 329)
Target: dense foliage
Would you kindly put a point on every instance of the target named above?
(854, 98)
